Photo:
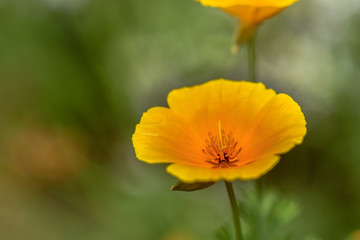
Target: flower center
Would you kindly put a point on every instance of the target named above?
(221, 151)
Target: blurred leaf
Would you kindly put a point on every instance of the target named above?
(312, 237)
(225, 232)
(189, 187)
(354, 235)
(265, 218)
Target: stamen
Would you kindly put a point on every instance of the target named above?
(220, 136)
(221, 151)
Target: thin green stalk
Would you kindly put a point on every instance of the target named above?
(252, 59)
(234, 209)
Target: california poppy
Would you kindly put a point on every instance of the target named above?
(249, 12)
(221, 129)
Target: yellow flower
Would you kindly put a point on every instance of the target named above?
(355, 235)
(250, 12)
(220, 130)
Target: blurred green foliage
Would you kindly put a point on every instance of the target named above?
(76, 75)
(265, 216)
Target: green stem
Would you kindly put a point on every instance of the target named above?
(252, 59)
(234, 210)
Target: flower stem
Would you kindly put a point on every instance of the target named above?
(234, 210)
(251, 59)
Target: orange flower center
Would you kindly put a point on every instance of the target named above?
(221, 151)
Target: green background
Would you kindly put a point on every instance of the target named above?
(76, 76)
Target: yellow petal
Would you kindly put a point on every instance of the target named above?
(234, 104)
(252, 14)
(276, 129)
(250, 11)
(254, 170)
(163, 137)
(256, 3)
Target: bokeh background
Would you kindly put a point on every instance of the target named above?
(76, 76)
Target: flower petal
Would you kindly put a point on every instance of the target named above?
(262, 3)
(234, 103)
(253, 14)
(163, 137)
(254, 170)
(276, 129)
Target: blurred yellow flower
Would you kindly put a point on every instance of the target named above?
(250, 12)
(355, 235)
(220, 130)
(46, 155)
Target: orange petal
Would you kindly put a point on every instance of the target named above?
(252, 14)
(163, 137)
(235, 104)
(276, 129)
(254, 170)
(258, 3)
